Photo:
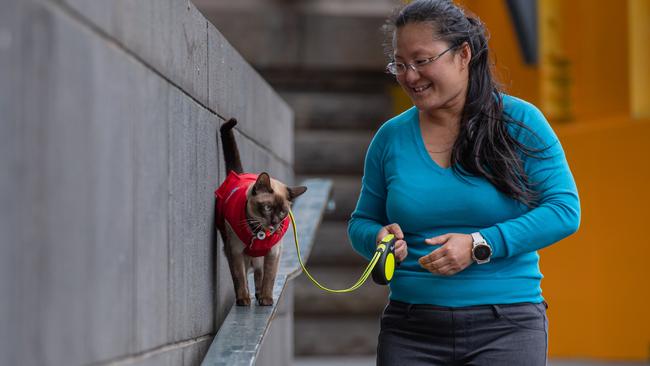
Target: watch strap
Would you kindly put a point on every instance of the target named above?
(477, 238)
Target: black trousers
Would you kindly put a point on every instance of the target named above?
(512, 334)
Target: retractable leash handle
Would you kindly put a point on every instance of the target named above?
(382, 262)
(385, 268)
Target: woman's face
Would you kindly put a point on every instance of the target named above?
(439, 84)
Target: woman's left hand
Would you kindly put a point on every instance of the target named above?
(453, 256)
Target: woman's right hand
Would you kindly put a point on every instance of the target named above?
(401, 249)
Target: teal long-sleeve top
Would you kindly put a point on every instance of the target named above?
(402, 184)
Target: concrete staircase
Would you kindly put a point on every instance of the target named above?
(334, 128)
(325, 58)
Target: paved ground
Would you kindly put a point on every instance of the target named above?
(370, 361)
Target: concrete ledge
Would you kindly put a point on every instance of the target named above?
(242, 333)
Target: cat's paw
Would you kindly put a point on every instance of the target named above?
(265, 301)
(244, 302)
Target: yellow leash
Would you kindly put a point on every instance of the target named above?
(383, 253)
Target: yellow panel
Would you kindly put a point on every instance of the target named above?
(555, 66)
(639, 31)
(597, 48)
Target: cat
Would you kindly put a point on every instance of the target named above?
(252, 216)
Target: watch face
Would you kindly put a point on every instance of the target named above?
(482, 252)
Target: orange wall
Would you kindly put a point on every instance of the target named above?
(597, 281)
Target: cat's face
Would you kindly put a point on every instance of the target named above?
(269, 202)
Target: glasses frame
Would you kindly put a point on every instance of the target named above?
(392, 67)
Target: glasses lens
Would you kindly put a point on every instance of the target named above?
(395, 68)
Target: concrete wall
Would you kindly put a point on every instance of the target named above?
(108, 161)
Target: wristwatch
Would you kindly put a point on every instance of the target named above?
(481, 250)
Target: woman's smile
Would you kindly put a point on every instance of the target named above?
(418, 90)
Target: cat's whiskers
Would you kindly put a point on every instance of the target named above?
(252, 224)
(255, 225)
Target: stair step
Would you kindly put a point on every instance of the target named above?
(339, 110)
(369, 299)
(345, 193)
(282, 34)
(330, 152)
(336, 336)
(332, 246)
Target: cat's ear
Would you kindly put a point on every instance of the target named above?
(262, 184)
(294, 192)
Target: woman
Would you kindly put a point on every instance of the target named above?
(472, 182)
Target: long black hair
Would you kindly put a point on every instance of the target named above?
(484, 146)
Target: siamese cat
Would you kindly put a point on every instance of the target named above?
(252, 215)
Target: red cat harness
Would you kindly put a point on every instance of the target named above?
(231, 207)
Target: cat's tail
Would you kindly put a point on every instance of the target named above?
(230, 150)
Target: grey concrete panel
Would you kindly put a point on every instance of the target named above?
(173, 357)
(208, 181)
(75, 233)
(152, 29)
(194, 354)
(203, 295)
(236, 90)
(57, 225)
(111, 277)
(266, 37)
(224, 291)
(191, 272)
(182, 219)
(225, 294)
(10, 178)
(151, 164)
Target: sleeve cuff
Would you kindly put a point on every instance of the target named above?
(494, 238)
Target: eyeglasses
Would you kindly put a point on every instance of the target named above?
(400, 68)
